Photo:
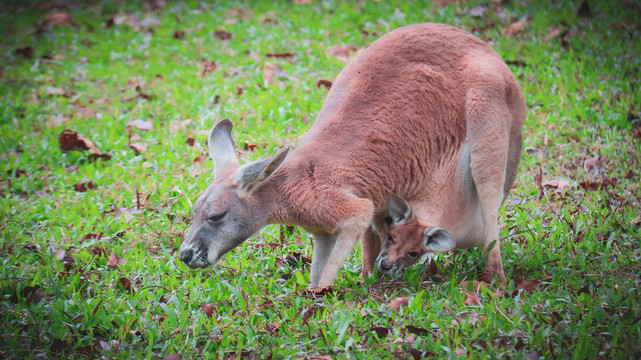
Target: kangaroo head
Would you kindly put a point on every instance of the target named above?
(406, 238)
(229, 211)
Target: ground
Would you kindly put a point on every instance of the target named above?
(105, 112)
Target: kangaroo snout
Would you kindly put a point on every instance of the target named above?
(385, 266)
(186, 255)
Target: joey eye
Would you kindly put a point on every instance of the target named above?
(390, 239)
(216, 217)
(413, 254)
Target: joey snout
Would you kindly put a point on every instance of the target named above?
(385, 266)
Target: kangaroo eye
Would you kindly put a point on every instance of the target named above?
(217, 217)
(390, 239)
(413, 254)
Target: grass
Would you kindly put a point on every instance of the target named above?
(96, 273)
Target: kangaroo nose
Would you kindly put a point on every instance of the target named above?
(385, 265)
(186, 255)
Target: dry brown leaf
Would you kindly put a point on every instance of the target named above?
(558, 185)
(209, 310)
(324, 82)
(208, 66)
(268, 73)
(139, 124)
(115, 260)
(381, 332)
(138, 147)
(514, 28)
(280, 55)
(223, 35)
(60, 18)
(341, 52)
(173, 357)
(54, 91)
(84, 185)
(399, 302)
(476, 285)
(472, 299)
(126, 283)
(69, 140)
(25, 52)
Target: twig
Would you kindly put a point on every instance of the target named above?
(152, 228)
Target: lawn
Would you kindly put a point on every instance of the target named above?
(105, 111)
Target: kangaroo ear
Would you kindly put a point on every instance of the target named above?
(249, 176)
(399, 210)
(221, 146)
(438, 239)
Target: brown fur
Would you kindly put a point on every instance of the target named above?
(396, 120)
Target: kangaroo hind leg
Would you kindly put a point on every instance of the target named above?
(489, 138)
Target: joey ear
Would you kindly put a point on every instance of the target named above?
(221, 146)
(438, 239)
(251, 175)
(399, 209)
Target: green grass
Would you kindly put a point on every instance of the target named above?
(581, 77)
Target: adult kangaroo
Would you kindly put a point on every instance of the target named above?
(428, 111)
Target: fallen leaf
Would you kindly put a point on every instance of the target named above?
(478, 11)
(69, 140)
(584, 9)
(173, 357)
(115, 260)
(324, 82)
(268, 73)
(223, 35)
(58, 345)
(191, 141)
(208, 66)
(138, 147)
(145, 24)
(179, 34)
(25, 52)
(397, 303)
(118, 212)
(416, 354)
(416, 330)
(295, 257)
(558, 185)
(126, 283)
(54, 91)
(60, 254)
(341, 52)
(432, 268)
(280, 55)
(590, 165)
(476, 285)
(469, 317)
(446, 2)
(209, 310)
(96, 236)
(268, 20)
(514, 28)
(84, 185)
(17, 173)
(381, 332)
(526, 285)
(60, 18)
(139, 124)
(472, 299)
(32, 294)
